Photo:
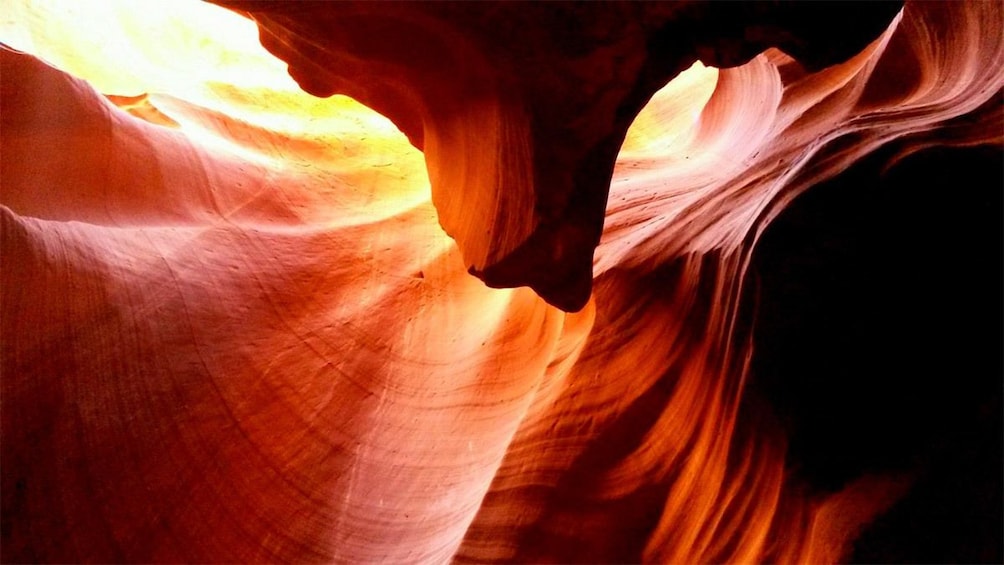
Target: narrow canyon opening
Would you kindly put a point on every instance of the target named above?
(501, 282)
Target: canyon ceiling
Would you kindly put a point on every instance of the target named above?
(692, 282)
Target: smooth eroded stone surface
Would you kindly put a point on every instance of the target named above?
(234, 330)
(521, 108)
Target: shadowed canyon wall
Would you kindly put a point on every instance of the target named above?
(751, 315)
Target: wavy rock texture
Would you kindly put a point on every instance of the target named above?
(521, 108)
(234, 330)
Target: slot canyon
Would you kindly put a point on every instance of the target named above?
(501, 282)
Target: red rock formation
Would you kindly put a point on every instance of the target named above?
(233, 329)
(521, 108)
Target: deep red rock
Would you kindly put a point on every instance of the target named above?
(521, 108)
(233, 330)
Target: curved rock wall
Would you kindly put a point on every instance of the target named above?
(234, 329)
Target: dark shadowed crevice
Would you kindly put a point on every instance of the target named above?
(878, 342)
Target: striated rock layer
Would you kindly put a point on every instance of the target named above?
(521, 108)
(234, 329)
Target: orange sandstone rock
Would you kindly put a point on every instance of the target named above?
(233, 329)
